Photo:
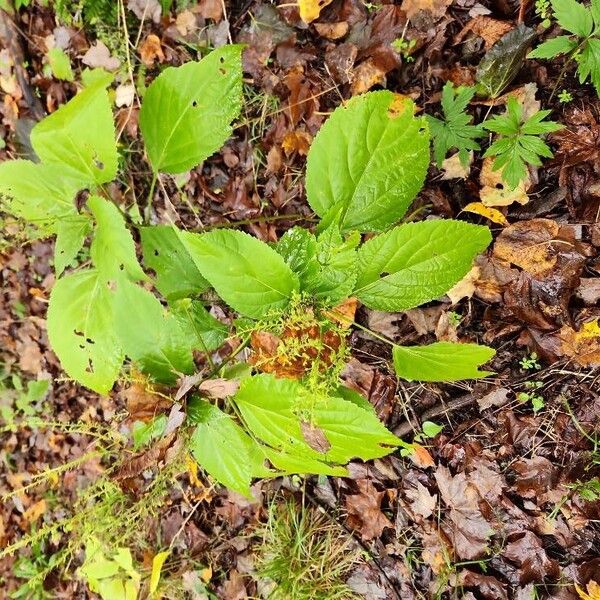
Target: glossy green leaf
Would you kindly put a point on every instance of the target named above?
(589, 63)
(82, 332)
(187, 111)
(149, 334)
(71, 232)
(176, 273)
(503, 60)
(442, 361)
(113, 249)
(79, 137)
(368, 162)
(298, 247)
(247, 273)
(417, 262)
(221, 447)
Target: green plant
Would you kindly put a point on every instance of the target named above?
(532, 396)
(290, 414)
(456, 129)
(530, 363)
(542, 11)
(304, 554)
(519, 143)
(404, 47)
(564, 97)
(582, 44)
(17, 401)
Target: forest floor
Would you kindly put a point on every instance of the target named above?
(503, 501)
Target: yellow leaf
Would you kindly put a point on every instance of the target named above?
(589, 330)
(311, 9)
(206, 574)
(192, 469)
(593, 591)
(493, 214)
(157, 563)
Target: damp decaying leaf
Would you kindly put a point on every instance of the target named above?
(364, 511)
(311, 9)
(503, 60)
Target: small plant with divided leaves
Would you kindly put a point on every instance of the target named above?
(291, 413)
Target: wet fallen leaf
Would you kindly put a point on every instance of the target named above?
(592, 591)
(526, 551)
(437, 8)
(493, 191)
(332, 31)
(143, 402)
(583, 346)
(151, 50)
(422, 502)
(465, 288)
(311, 9)
(145, 9)
(493, 214)
(296, 141)
(364, 511)
(467, 528)
(527, 244)
(421, 457)
(491, 30)
(366, 75)
(454, 169)
(186, 22)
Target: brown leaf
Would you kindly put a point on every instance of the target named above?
(489, 587)
(143, 402)
(534, 476)
(332, 31)
(491, 30)
(494, 192)
(526, 551)
(422, 502)
(211, 9)
(421, 457)
(219, 388)
(315, 437)
(366, 75)
(98, 56)
(151, 50)
(584, 345)
(364, 511)
(527, 244)
(296, 141)
(344, 312)
(467, 528)
(34, 512)
(437, 8)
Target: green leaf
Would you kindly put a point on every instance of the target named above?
(248, 274)
(336, 259)
(368, 162)
(298, 247)
(442, 361)
(503, 60)
(81, 330)
(417, 262)
(38, 193)
(79, 137)
(455, 131)
(70, 236)
(176, 273)
(187, 111)
(113, 249)
(589, 63)
(573, 16)
(551, 48)
(221, 447)
(144, 433)
(431, 429)
(201, 329)
(60, 64)
(150, 335)
(283, 414)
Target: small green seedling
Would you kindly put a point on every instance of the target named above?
(518, 143)
(543, 12)
(564, 97)
(532, 396)
(530, 363)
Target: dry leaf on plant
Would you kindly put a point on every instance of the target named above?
(494, 192)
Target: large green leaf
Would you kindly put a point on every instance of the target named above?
(150, 335)
(302, 425)
(80, 136)
(221, 447)
(247, 273)
(417, 262)
(113, 249)
(81, 330)
(38, 193)
(442, 361)
(187, 111)
(368, 162)
(176, 274)
(71, 232)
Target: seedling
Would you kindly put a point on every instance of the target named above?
(530, 363)
(532, 396)
(291, 413)
(543, 12)
(565, 97)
